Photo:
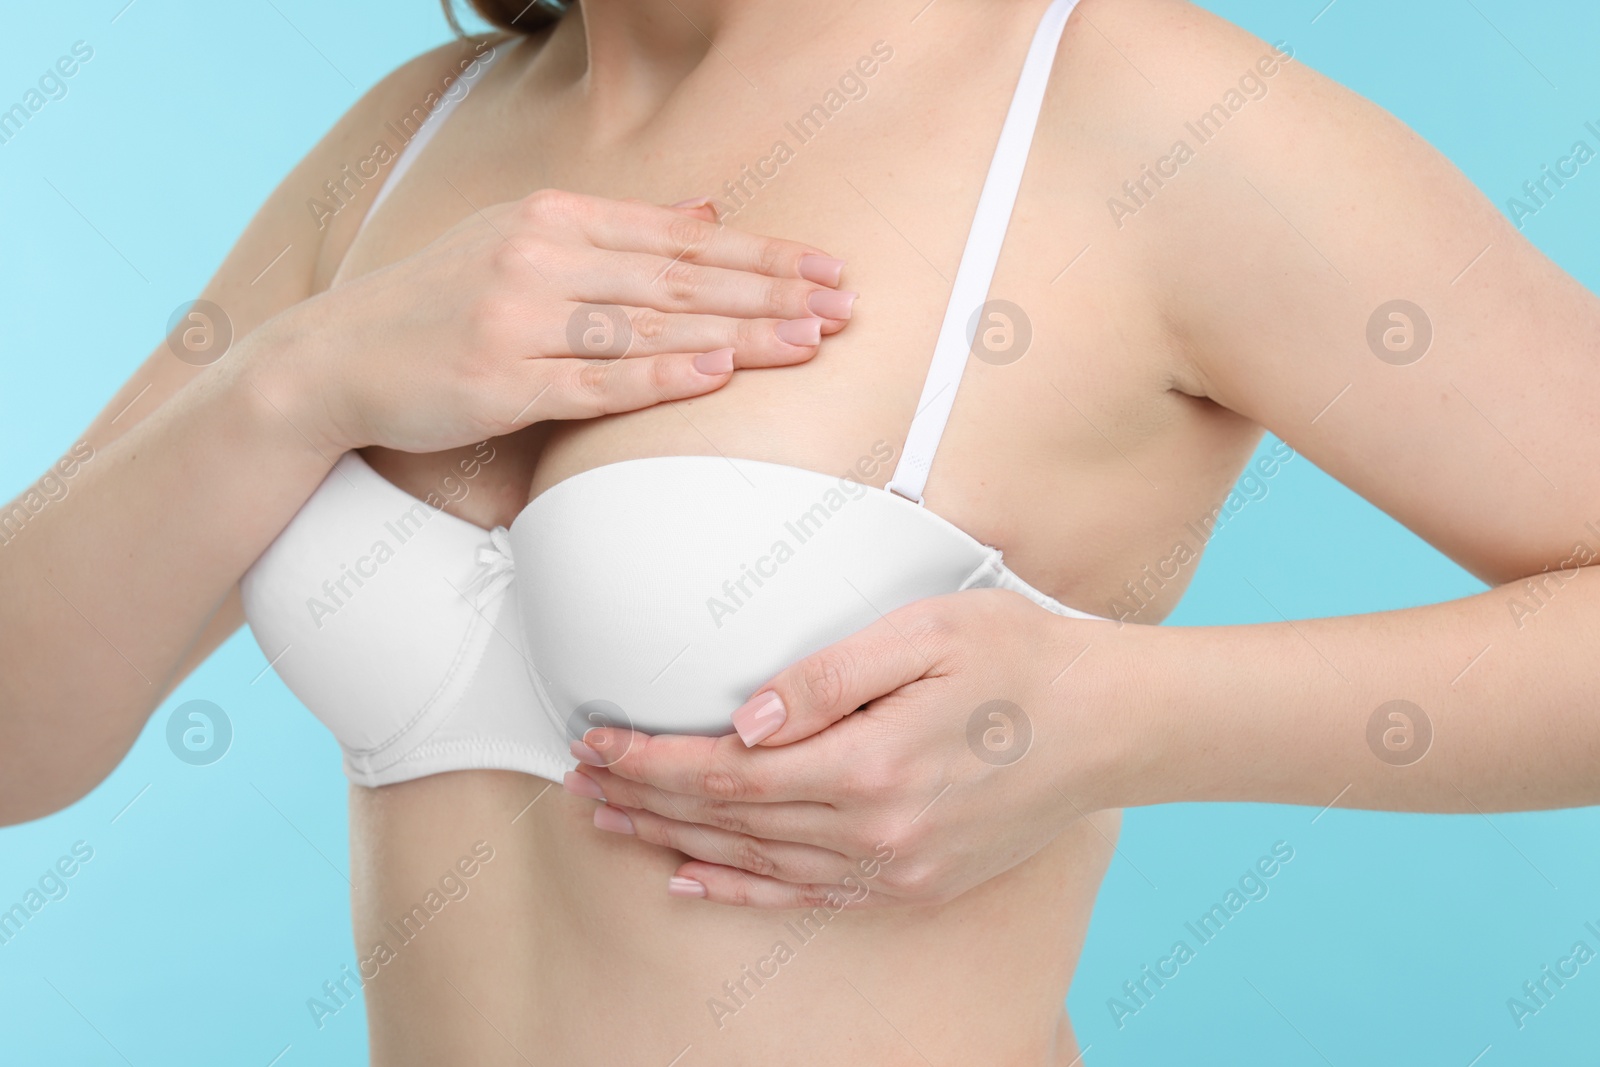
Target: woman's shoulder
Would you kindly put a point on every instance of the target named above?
(343, 173)
(1161, 57)
(298, 234)
(1179, 35)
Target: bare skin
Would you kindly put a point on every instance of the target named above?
(1064, 447)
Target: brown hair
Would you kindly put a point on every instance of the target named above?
(517, 16)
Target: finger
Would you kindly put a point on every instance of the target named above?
(800, 822)
(717, 768)
(701, 207)
(680, 284)
(728, 885)
(783, 860)
(584, 389)
(627, 332)
(826, 686)
(676, 235)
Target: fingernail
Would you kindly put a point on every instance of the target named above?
(803, 332)
(609, 818)
(580, 786)
(831, 303)
(684, 887)
(824, 270)
(717, 362)
(759, 718)
(694, 201)
(584, 754)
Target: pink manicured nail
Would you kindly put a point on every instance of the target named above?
(759, 718)
(694, 201)
(584, 754)
(719, 361)
(580, 786)
(831, 303)
(803, 332)
(684, 887)
(608, 818)
(824, 270)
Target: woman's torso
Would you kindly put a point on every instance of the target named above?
(1082, 459)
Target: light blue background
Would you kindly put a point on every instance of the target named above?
(217, 902)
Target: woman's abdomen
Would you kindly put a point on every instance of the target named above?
(494, 923)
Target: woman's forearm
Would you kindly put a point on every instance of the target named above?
(1487, 703)
(109, 573)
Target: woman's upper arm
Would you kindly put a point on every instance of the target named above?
(1336, 279)
(284, 256)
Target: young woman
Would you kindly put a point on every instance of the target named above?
(1199, 246)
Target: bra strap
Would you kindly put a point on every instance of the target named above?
(419, 140)
(982, 254)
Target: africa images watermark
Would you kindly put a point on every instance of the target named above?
(52, 886)
(199, 732)
(737, 592)
(737, 993)
(1139, 191)
(51, 86)
(1399, 732)
(340, 590)
(603, 332)
(999, 732)
(1252, 486)
(1137, 993)
(52, 487)
(1538, 192)
(1537, 993)
(340, 992)
(344, 190)
(850, 87)
(1534, 593)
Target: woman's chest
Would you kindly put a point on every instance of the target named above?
(885, 174)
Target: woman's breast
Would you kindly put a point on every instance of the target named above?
(562, 946)
(1044, 456)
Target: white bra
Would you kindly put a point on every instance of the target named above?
(656, 593)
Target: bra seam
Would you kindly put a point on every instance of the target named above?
(428, 750)
(451, 673)
(475, 743)
(993, 566)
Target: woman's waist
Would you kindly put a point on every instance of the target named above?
(557, 919)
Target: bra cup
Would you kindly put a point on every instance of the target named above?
(657, 593)
(356, 605)
(666, 591)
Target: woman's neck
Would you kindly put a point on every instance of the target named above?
(627, 57)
